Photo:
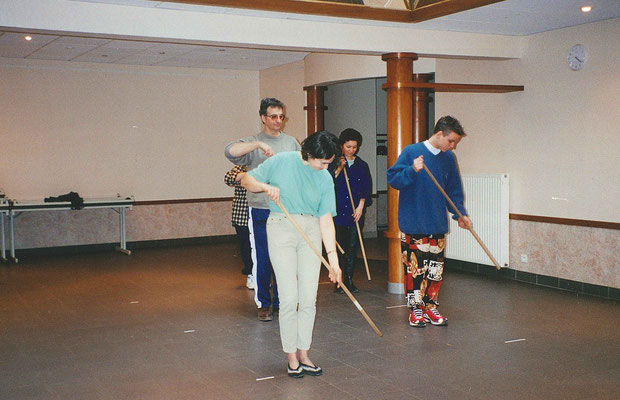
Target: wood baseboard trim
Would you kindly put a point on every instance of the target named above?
(565, 221)
(517, 217)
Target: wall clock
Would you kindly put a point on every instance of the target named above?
(577, 57)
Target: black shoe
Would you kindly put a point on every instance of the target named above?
(338, 289)
(314, 371)
(295, 373)
(349, 284)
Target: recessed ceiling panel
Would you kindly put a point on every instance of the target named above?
(60, 51)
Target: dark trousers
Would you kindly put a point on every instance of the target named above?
(263, 271)
(243, 235)
(348, 239)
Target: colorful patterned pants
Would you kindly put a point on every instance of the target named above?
(423, 261)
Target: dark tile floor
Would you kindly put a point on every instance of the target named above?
(178, 323)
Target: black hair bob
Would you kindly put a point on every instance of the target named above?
(351, 134)
(322, 145)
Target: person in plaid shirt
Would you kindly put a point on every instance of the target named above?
(240, 219)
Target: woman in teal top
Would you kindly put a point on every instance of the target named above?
(301, 183)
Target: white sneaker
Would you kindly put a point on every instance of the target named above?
(250, 282)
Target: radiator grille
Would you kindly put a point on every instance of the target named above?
(486, 202)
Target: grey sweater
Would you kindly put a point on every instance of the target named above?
(254, 158)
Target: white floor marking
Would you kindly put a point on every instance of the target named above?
(515, 340)
(402, 305)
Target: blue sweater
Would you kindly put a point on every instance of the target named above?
(421, 206)
(359, 180)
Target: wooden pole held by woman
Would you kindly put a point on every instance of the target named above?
(329, 268)
(359, 231)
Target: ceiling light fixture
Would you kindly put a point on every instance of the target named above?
(28, 38)
(586, 9)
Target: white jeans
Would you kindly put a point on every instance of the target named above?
(297, 269)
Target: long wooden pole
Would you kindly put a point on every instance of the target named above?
(359, 231)
(470, 228)
(329, 268)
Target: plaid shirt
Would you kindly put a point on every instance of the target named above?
(240, 201)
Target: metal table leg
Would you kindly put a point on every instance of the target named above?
(123, 247)
(12, 234)
(2, 237)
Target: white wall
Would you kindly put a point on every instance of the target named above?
(286, 83)
(154, 132)
(559, 139)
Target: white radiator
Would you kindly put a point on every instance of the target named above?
(486, 202)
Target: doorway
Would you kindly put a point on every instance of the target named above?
(362, 105)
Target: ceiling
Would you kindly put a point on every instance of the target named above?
(509, 17)
(113, 51)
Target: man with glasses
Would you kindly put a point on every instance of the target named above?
(252, 151)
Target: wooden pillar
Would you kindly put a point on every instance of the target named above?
(315, 107)
(420, 109)
(399, 135)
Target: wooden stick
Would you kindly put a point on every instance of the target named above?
(339, 248)
(359, 231)
(329, 268)
(470, 228)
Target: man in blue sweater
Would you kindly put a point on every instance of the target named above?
(422, 216)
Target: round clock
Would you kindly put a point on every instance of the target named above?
(576, 57)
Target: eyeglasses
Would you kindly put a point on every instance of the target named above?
(275, 117)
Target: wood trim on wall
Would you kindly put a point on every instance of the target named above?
(517, 217)
(456, 87)
(565, 221)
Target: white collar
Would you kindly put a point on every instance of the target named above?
(430, 148)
